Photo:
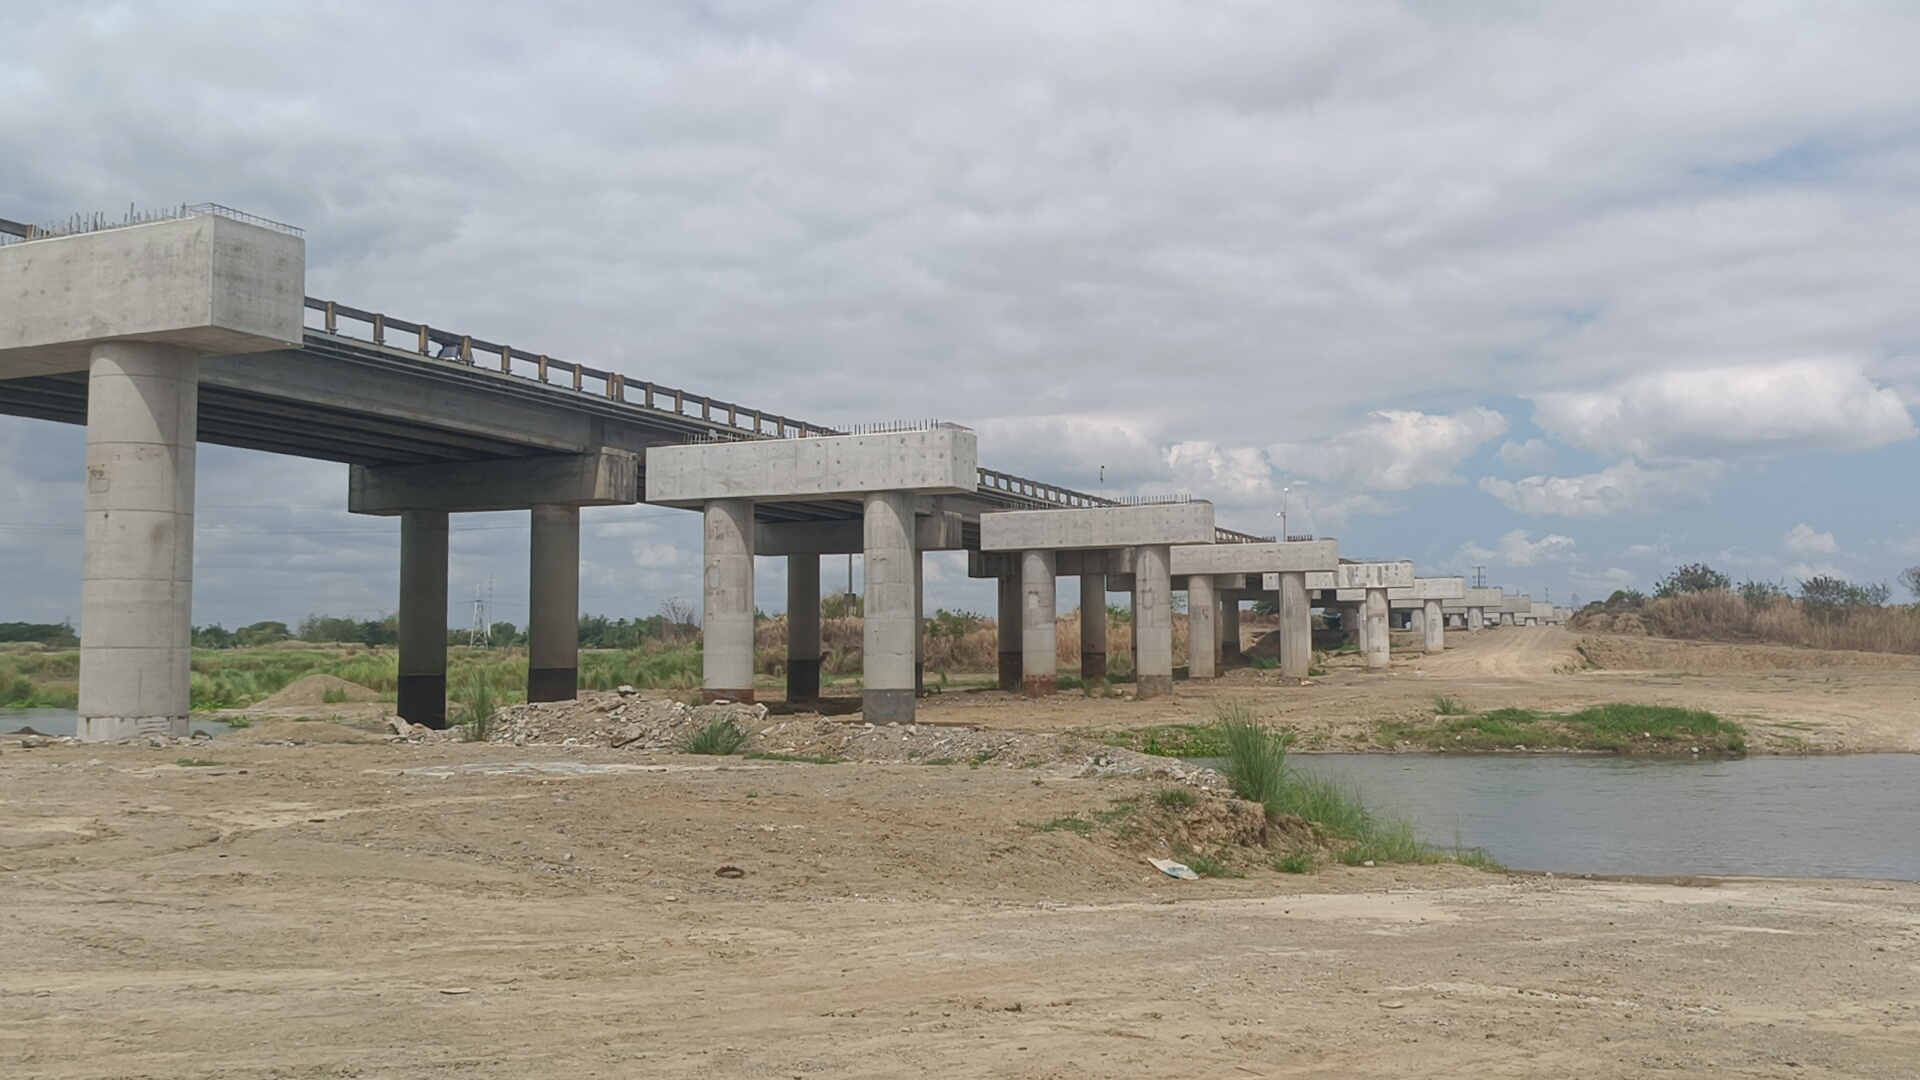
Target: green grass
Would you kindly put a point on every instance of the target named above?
(1174, 798)
(1300, 861)
(1449, 706)
(1076, 825)
(475, 708)
(1207, 865)
(1616, 727)
(1169, 740)
(1257, 768)
(1263, 663)
(720, 736)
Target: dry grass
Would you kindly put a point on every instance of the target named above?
(1726, 616)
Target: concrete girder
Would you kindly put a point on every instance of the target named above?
(597, 478)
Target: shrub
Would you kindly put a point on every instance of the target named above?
(477, 708)
(1692, 578)
(1449, 706)
(720, 736)
(1174, 798)
(1255, 757)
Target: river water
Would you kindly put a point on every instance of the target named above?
(1842, 816)
(63, 721)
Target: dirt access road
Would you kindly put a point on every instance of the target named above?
(500, 912)
(1790, 700)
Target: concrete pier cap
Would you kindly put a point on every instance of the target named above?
(1098, 527)
(939, 460)
(137, 307)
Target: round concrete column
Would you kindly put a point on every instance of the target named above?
(803, 627)
(1476, 617)
(1153, 622)
(553, 604)
(1039, 643)
(136, 595)
(727, 601)
(1009, 629)
(1506, 618)
(1093, 628)
(1378, 656)
(1436, 627)
(1296, 627)
(888, 641)
(1229, 631)
(422, 687)
(1203, 634)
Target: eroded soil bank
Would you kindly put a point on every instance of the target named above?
(499, 911)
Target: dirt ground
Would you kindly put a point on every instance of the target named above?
(1790, 700)
(351, 907)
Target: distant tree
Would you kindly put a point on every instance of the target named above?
(1910, 581)
(1117, 613)
(1762, 594)
(841, 605)
(1826, 596)
(502, 634)
(58, 635)
(1692, 578)
(212, 637)
(261, 633)
(1625, 598)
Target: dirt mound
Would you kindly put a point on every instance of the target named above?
(632, 722)
(314, 690)
(1631, 653)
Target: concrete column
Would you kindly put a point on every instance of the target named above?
(1354, 621)
(889, 639)
(136, 595)
(422, 690)
(726, 598)
(1229, 631)
(1010, 619)
(1296, 626)
(1203, 633)
(1093, 628)
(1506, 618)
(919, 625)
(1435, 626)
(1153, 622)
(1378, 657)
(1039, 643)
(1476, 618)
(1417, 620)
(553, 604)
(803, 627)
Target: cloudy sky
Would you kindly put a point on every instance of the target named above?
(1571, 292)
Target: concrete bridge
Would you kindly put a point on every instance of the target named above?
(193, 326)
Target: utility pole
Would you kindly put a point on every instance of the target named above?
(477, 636)
(1479, 577)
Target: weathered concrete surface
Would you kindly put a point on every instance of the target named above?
(1378, 640)
(1008, 619)
(1203, 630)
(940, 531)
(553, 604)
(943, 460)
(1108, 562)
(889, 639)
(210, 285)
(1296, 626)
(596, 478)
(1256, 558)
(1039, 658)
(421, 692)
(1434, 625)
(1152, 623)
(1097, 527)
(803, 627)
(136, 599)
(727, 601)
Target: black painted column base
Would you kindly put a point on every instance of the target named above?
(553, 684)
(422, 699)
(803, 680)
(1012, 668)
(1093, 667)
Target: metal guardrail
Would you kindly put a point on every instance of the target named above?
(732, 420)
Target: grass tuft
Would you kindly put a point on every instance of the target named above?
(1174, 798)
(1255, 758)
(1449, 706)
(1300, 861)
(477, 709)
(720, 736)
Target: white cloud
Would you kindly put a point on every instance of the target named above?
(1205, 468)
(1798, 405)
(1395, 449)
(1802, 540)
(1534, 454)
(1517, 548)
(1803, 571)
(1622, 489)
(1606, 581)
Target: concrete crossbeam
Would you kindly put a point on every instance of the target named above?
(931, 532)
(940, 461)
(1097, 527)
(1110, 562)
(1256, 558)
(209, 285)
(597, 478)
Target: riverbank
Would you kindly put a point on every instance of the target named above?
(493, 909)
